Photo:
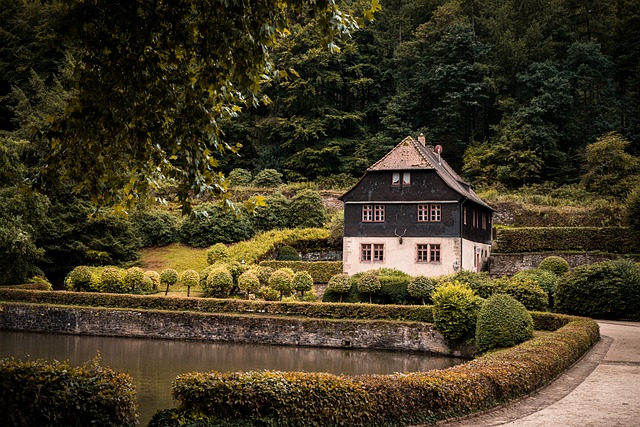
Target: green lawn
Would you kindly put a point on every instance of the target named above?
(175, 256)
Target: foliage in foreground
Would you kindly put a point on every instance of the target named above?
(41, 393)
(273, 398)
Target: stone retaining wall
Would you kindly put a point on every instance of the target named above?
(383, 335)
(509, 264)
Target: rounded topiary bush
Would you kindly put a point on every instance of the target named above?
(555, 264)
(190, 278)
(287, 253)
(546, 279)
(168, 277)
(281, 280)
(219, 283)
(604, 290)
(80, 279)
(302, 282)
(240, 176)
(263, 272)
(217, 253)
(268, 178)
(111, 280)
(369, 283)
(248, 282)
(422, 287)
(502, 322)
(455, 309)
(148, 285)
(528, 293)
(154, 276)
(339, 284)
(133, 279)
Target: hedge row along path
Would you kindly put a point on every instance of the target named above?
(599, 390)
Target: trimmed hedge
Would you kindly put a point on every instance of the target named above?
(42, 393)
(619, 240)
(303, 399)
(321, 271)
(417, 313)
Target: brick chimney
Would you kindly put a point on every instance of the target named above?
(421, 139)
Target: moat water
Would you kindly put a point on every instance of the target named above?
(154, 364)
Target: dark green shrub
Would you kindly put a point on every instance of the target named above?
(42, 393)
(554, 264)
(275, 215)
(268, 178)
(339, 284)
(633, 209)
(336, 229)
(546, 279)
(240, 176)
(604, 290)
(248, 282)
(209, 224)
(80, 279)
(455, 309)
(133, 279)
(281, 280)
(287, 253)
(479, 282)
(369, 284)
(306, 210)
(422, 287)
(527, 291)
(155, 227)
(302, 282)
(617, 240)
(217, 253)
(219, 283)
(111, 280)
(502, 322)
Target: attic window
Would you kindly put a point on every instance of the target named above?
(406, 179)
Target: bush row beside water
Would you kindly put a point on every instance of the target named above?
(619, 240)
(418, 313)
(41, 393)
(303, 399)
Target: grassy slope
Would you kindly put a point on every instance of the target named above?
(176, 255)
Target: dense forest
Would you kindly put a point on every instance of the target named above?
(102, 101)
(513, 90)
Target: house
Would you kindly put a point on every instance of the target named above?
(412, 212)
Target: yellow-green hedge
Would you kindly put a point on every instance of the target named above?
(304, 399)
(418, 313)
(321, 271)
(266, 244)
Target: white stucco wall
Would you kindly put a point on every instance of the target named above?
(402, 256)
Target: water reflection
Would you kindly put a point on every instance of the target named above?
(154, 364)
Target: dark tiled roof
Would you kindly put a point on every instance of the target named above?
(411, 155)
